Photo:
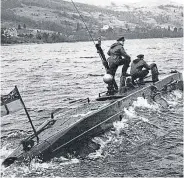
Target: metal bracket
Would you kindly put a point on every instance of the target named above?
(27, 144)
(99, 94)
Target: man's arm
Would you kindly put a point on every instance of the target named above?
(109, 52)
(123, 53)
(146, 66)
(102, 55)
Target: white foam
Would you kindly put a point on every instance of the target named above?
(34, 165)
(60, 159)
(13, 170)
(96, 154)
(178, 94)
(130, 112)
(83, 114)
(99, 153)
(174, 97)
(172, 103)
(120, 125)
(5, 150)
(9, 176)
(16, 134)
(144, 119)
(71, 161)
(143, 103)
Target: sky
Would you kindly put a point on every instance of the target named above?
(118, 2)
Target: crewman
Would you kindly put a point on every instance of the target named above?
(118, 57)
(140, 69)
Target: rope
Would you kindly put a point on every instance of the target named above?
(83, 22)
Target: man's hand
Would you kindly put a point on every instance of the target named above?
(128, 57)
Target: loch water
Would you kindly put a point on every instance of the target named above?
(147, 142)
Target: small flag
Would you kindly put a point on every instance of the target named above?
(11, 102)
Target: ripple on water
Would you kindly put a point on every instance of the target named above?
(147, 142)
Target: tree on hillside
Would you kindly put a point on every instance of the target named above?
(38, 35)
(169, 28)
(110, 29)
(45, 37)
(175, 29)
(24, 25)
(78, 26)
(19, 26)
(5, 36)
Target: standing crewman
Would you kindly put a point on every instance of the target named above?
(118, 57)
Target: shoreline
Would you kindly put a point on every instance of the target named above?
(32, 43)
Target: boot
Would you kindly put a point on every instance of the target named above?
(154, 72)
(111, 90)
(115, 86)
(129, 83)
(141, 82)
(122, 84)
(155, 78)
(133, 82)
(122, 81)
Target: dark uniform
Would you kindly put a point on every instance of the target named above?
(137, 71)
(116, 52)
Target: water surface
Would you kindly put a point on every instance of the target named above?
(147, 142)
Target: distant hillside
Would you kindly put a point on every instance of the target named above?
(61, 16)
(152, 15)
(58, 14)
(52, 15)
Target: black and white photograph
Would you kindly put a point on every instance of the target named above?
(91, 88)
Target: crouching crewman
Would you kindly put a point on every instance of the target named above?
(140, 69)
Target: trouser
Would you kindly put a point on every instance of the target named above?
(154, 72)
(113, 85)
(140, 75)
(126, 63)
(113, 66)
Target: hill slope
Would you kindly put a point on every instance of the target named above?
(61, 16)
(57, 15)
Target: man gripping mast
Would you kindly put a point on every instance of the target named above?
(118, 57)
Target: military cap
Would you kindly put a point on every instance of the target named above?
(140, 56)
(121, 38)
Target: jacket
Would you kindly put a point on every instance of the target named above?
(137, 66)
(116, 52)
